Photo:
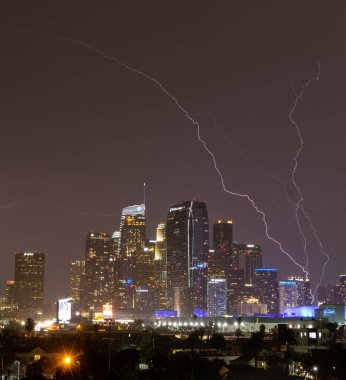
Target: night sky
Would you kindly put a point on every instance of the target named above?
(80, 133)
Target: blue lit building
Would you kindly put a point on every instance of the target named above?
(289, 294)
(217, 296)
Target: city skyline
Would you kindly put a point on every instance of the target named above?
(83, 132)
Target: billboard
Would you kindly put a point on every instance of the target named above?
(64, 310)
(107, 311)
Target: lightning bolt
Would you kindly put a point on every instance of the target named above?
(264, 173)
(299, 204)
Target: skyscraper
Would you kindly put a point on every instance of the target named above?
(266, 284)
(29, 282)
(223, 234)
(144, 278)
(160, 265)
(187, 238)
(340, 290)
(77, 283)
(217, 296)
(249, 258)
(220, 257)
(132, 239)
(97, 244)
(99, 272)
(304, 290)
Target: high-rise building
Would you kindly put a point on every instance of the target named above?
(97, 244)
(340, 290)
(115, 243)
(77, 283)
(144, 279)
(217, 296)
(98, 288)
(10, 292)
(249, 258)
(235, 290)
(132, 240)
(160, 266)
(220, 257)
(325, 294)
(266, 284)
(223, 234)
(289, 294)
(187, 236)
(304, 290)
(29, 282)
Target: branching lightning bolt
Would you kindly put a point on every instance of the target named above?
(299, 204)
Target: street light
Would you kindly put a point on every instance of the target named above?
(67, 360)
(315, 369)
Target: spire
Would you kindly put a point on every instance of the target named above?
(144, 194)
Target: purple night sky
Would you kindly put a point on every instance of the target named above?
(80, 133)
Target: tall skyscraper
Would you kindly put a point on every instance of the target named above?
(132, 237)
(223, 234)
(132, 240)
(144, 278)
(29, 282)
(77, 283)
(160, 265)
(266, 284)
(249, 258)
(187, 238)
(115, 243)
(220, 257)
(99, 272)
(340, 290)
(10, 292)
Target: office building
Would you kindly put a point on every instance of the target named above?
(97, 244)
(160, 267)
(98, 288)
(340, 290)
(187, 236)
(325, 294)
(77, 283)
(217, 297)
(304, 290)
(266, 284)
(29, 282)
(249, 258)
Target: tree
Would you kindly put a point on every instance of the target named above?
(217, 341)
(29, 325)
(254, 345)
(34, 372)
(262, 329)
